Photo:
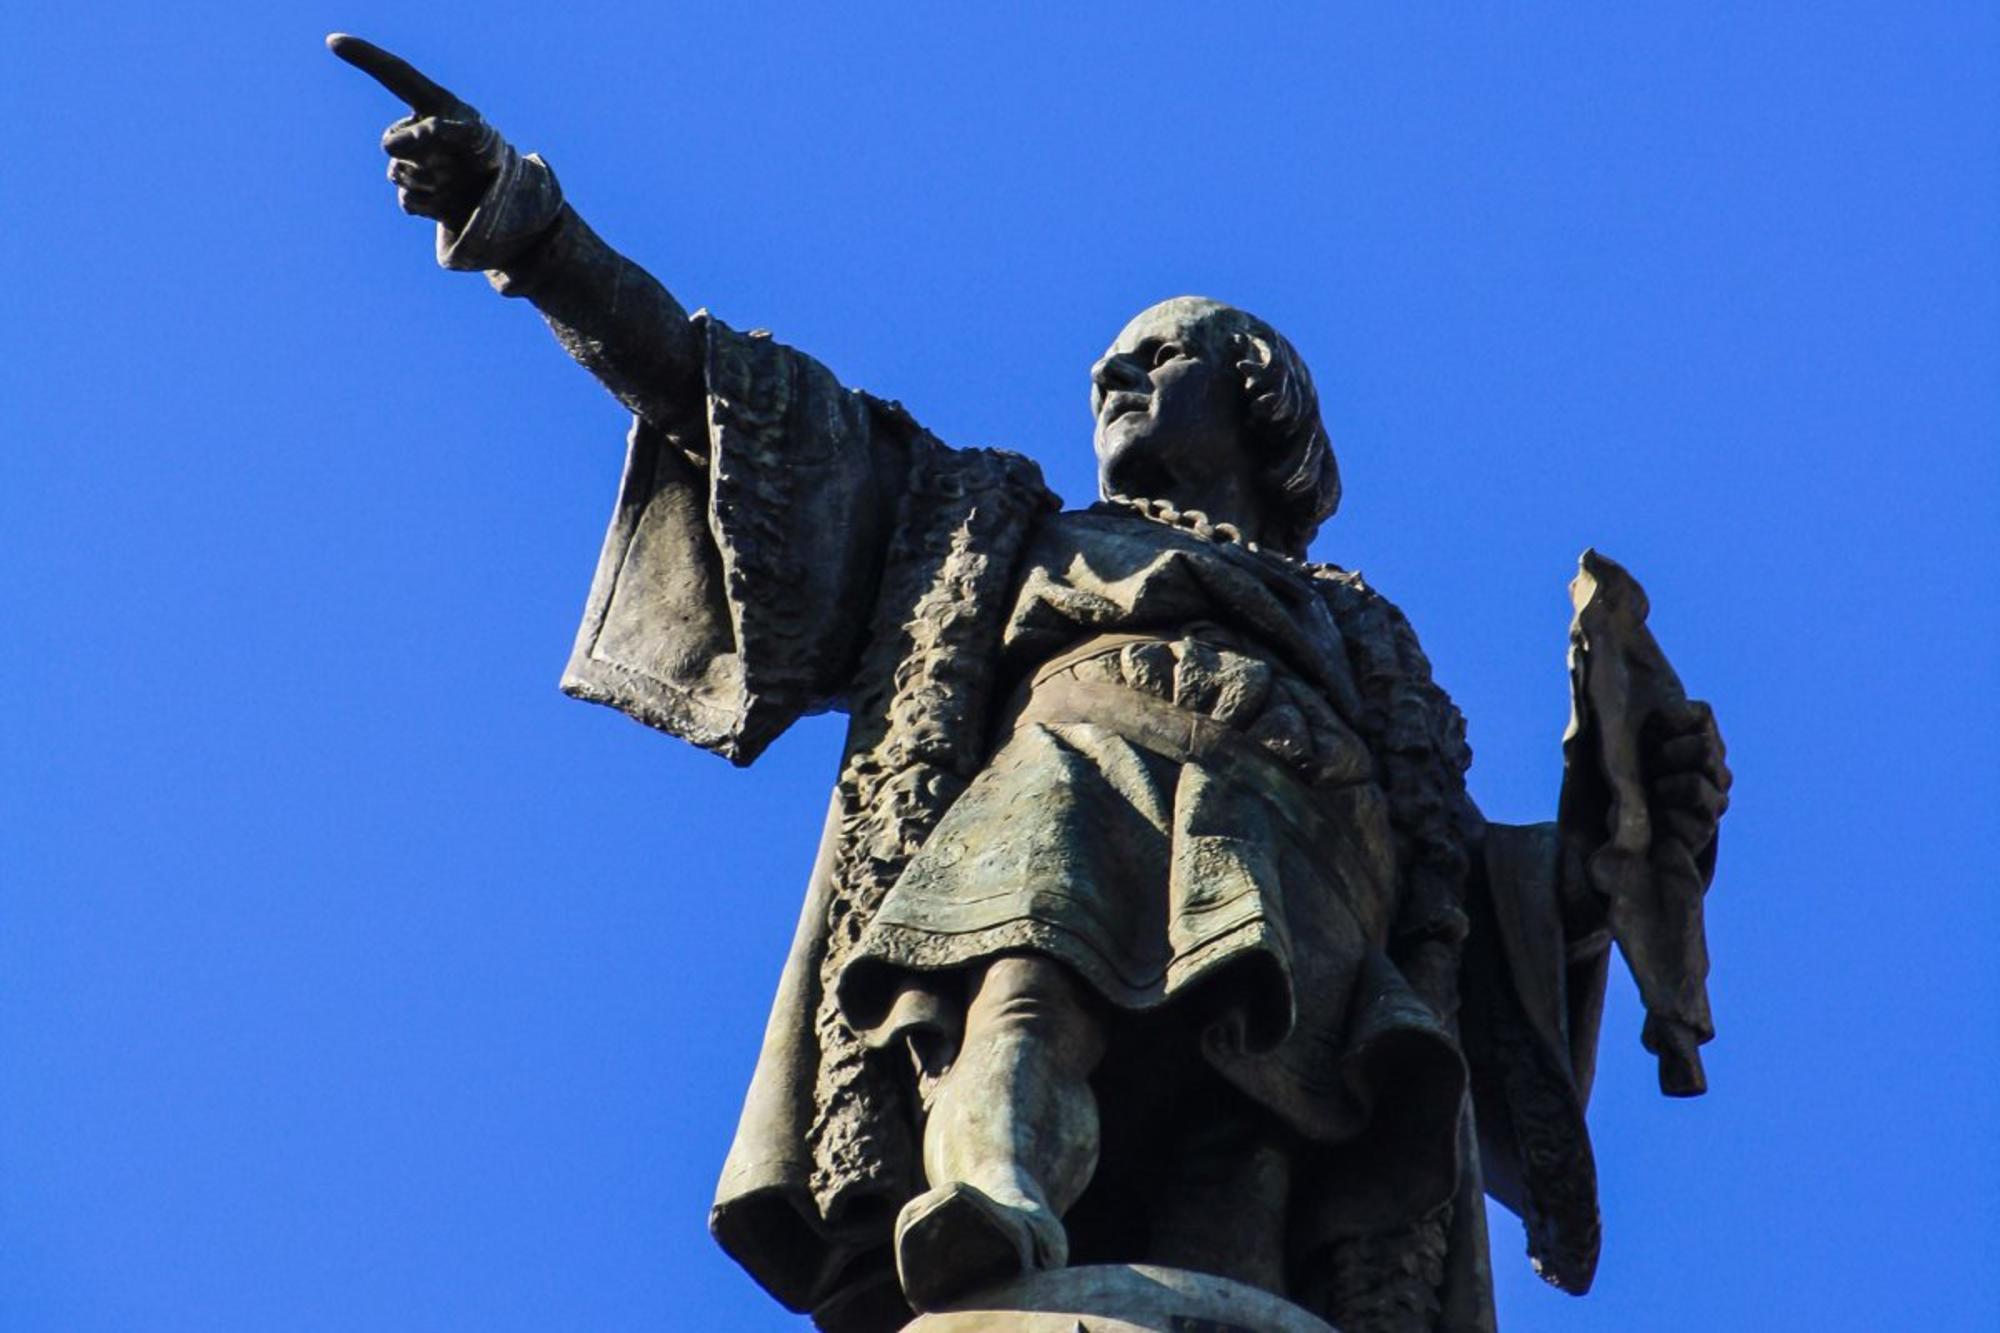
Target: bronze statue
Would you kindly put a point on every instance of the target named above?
(1152, 923)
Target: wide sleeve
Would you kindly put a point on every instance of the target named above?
(738, 573)
(1532, 992)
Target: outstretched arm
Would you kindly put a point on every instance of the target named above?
(499, 211)
(749, 554)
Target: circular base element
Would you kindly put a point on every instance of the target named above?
(1120, 1298)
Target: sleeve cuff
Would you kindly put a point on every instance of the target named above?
(521, 203)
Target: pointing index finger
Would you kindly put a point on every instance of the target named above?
(396, 74)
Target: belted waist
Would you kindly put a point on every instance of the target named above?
(1194, 694)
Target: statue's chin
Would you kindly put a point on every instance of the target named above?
(1128, 467)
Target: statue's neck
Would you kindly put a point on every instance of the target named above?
(1223, 507)
(1225, 503)
(1196, 521)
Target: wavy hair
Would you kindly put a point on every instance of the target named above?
(1297, 466)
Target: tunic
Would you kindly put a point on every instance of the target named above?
(1176, 806)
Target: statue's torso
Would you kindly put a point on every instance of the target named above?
(1227, 633)
(1175, 797)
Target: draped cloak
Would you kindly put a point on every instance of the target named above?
(820, 549)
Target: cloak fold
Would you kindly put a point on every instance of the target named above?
(827, 551)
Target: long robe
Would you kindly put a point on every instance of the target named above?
(820, 549)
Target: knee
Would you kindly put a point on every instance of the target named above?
(1033, 999)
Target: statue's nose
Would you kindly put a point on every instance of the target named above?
(1114, 371)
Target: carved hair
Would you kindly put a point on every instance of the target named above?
(1299, 469)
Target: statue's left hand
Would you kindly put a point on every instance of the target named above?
(1687, 780)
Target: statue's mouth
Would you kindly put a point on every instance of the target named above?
(1122, 404)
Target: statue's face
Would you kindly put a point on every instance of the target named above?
(1169, 405)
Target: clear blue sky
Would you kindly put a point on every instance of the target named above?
(351, 978)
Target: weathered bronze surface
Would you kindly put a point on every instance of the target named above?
(1152, 923)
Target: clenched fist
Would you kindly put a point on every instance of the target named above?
(1687, 780)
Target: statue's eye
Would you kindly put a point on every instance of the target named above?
(1167, 352)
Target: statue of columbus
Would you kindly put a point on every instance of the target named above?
(1152, 923)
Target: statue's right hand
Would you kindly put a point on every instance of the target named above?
(442, 155)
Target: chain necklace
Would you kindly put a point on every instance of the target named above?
(1193, 522)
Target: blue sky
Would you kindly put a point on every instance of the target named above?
(351, 978)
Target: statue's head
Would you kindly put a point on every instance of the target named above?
(1196, 398)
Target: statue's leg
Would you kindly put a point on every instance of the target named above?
(1011, 1138)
